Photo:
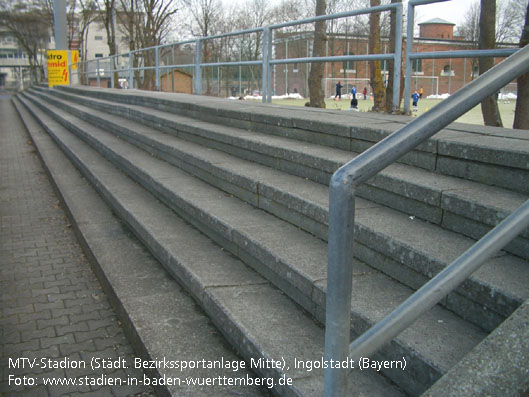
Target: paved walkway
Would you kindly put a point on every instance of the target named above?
(52, 307)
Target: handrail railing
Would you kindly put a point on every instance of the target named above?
(341, 217)
(266, 60)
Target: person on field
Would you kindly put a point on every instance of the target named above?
(338, 90)
(415, 98)
(365, 93)
(353, 91)
(354, 105)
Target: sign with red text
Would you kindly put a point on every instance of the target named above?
(58, 73)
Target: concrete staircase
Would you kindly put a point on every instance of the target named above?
(231, 198)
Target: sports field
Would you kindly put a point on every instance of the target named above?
(474, 116)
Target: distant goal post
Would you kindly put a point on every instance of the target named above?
(347, 83)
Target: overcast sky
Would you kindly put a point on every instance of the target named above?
(453, 11)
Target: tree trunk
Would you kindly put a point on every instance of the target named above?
(521, 113)
(487, 39)
(376, 82)
(317, 96)
(391, 64)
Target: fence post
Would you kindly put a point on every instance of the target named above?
(97, 73)
(157, 68)
(198, 69)
(267, 97)
(339, 283)
(409, 49)
(398, 58)
(111, 65)
(131, 75)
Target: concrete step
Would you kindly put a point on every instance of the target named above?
(412, 257)
(159, 317)
(459, 205)
(291, 259)
(255, 317)
(494, 156)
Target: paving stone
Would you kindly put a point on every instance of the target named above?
(42, 273)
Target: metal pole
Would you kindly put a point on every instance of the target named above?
(398, 58)
(111, 66)
(326, 66)
(59, 24)
(464, 71)
(172, 69)
(450, 77)
(157, 68)
(131, 74)
(433, 75)
(198, 70)
(339, 284)
(367, 65)
(307, 70)
(97, 73)
(266, 65)
(409, 49)
(286, 67)
(269, 69)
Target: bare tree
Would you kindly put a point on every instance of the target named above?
(374, 66)
(107, 14)
(147, 23)
(469, 29)
(205, 15)
(291, 10)
(87, 15)
(255, 13)
(317, 96)
(521, 114)
(487, 24)
(509, 21)
(31, 24)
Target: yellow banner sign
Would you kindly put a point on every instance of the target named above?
(75, 58)
(57, 67)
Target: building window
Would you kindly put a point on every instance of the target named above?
(98, 38)
(348, 66)
(447, 71)
(417, 66)
(295, 68)
(99, 55)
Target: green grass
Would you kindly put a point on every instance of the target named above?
(473, 116)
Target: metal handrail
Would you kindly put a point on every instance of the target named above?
(441, 285)
(266, 60)
(341, 217)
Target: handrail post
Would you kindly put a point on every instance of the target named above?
(157, 68)
(267, 38)
(131, 75)
(111, 65)
(409, 49)
(339, 283)
(97, 73)
(398, 58)
(198, 70)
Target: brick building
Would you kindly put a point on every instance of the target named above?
(435, 76)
